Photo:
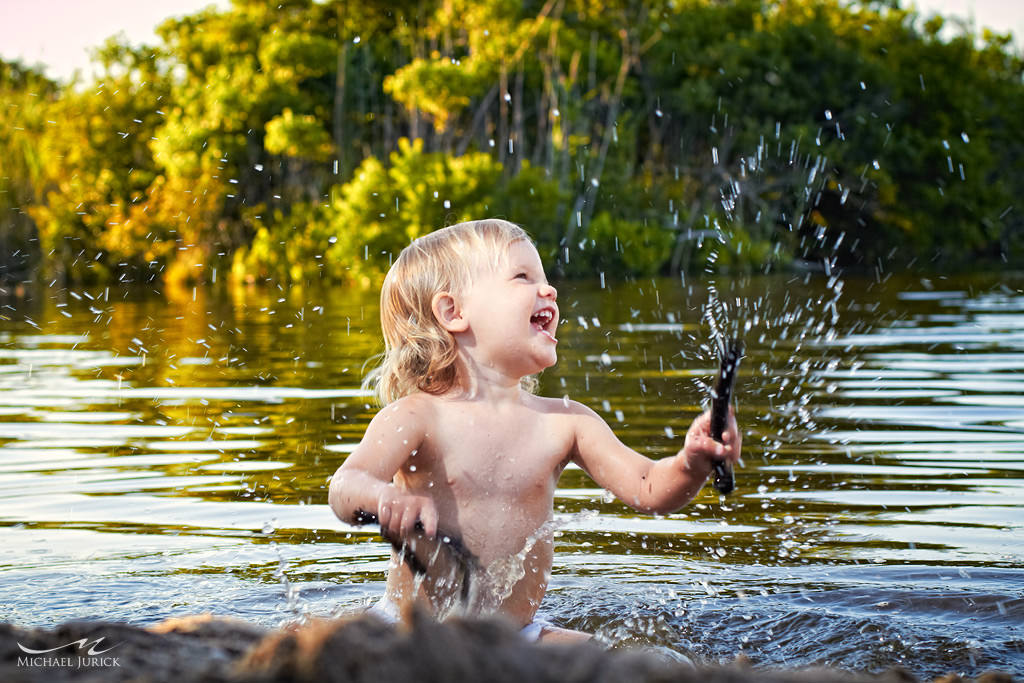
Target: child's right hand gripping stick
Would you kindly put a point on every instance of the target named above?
(732, 351)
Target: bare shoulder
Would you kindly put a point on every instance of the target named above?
(417, 401)
(572, 412)
(413, 410)
(397, 428)
(583, 422)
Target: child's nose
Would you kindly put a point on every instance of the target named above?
(547, 291)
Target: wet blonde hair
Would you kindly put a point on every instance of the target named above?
(419, 354)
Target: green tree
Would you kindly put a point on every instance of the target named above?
(26, 97)
(304, 140)
(91, 213)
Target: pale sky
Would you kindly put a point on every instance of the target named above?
(59, 33)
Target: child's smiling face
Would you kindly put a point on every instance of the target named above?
(512, 314)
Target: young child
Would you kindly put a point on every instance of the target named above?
(464, 456)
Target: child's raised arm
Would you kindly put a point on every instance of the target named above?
(363, 483)
(649, 486)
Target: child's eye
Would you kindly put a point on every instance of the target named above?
(524, 276)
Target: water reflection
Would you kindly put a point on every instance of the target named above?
(164, 458)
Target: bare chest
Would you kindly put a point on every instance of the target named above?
(485, 458)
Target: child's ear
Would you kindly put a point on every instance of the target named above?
(448, 312)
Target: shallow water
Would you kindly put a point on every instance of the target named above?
(161, 458)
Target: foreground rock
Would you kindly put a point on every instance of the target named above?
(353, 650)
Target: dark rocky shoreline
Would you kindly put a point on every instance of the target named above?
(364, 650)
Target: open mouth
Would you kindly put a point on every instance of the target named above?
(544, 322)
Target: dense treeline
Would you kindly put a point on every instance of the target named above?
(305, 141)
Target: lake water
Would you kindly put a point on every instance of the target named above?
(165, 457)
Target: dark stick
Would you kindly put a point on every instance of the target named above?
(466, 560)
(732, 351)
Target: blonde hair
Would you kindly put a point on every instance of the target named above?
(420, 354)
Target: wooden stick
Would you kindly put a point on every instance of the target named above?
(721, 396)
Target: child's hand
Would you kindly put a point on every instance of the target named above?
(400, 513)
(699, 449)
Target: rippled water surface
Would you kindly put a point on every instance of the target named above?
(162, 457)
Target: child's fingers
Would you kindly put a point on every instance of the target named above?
(408, 522)
(705, 446)
(428, 516)
(383, 512)
(702, 423)
(699, 443)
(735, 441)
(389, 514)
(731, 419)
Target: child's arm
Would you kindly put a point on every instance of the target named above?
(363, 482)
(658, 487)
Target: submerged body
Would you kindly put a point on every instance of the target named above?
(479, 457)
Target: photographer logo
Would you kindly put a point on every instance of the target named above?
(78, 654)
